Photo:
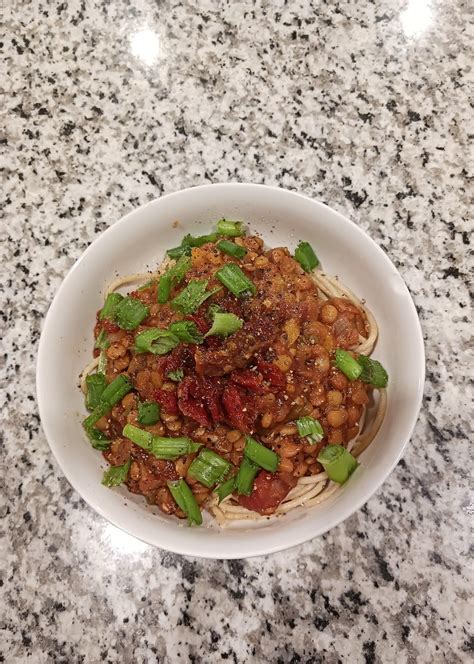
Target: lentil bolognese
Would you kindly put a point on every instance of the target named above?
(236, 379)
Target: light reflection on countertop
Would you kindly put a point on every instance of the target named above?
(417, 17)
(145, 45)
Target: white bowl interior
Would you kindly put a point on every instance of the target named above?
(139, 241)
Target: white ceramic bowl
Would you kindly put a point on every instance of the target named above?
(139, 241)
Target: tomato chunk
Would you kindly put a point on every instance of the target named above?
(239, 407)
(269, 489)
(167, 400)
(272, 373)
(248, 379)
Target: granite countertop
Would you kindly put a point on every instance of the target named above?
(363, 105)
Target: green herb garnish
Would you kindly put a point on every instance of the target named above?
(338, 463)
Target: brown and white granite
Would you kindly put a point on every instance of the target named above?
(363, 105)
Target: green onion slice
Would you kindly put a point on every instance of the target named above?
(148, 412)
(159, 447)
(230, 228)
(188, 242)
(338, 463)
(306, 257)
(245, 477)
(235, 280)
(310, 429)
(176, 376)
(102, 342)
(231, 249)
(214, 309)
(164, 289)
(113, 393)
(172, 277)
(130, 313)
(156, 341)
(187, 332)
(347, 364)
(224, 325)
(102, 366)
(110, 306)
(186, 500)
(191, 297)
(225, 489)
(98, 439)
(372, 372)
(96, 384)
(209, 468)
(116, 475)
(261, 455)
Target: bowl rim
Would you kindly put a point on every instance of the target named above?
(41, 365)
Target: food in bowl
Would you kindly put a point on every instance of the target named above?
(236, 379)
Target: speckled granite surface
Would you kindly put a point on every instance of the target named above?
(361, 104)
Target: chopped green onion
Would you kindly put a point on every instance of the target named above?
(159, 447)
(188, 242)
(176, 376)
(116, 475)
(164, 289)
(191, 241)
(176, 252)
(214, 309)
(102, 342)
(347, 364)
(102, 366)
(113, 393)
(191, 297)
(245, 477)
(338, 463)
(187, 332)
(172, 277)
(148, 412)
(110, 306)
(310, 428)
(186, 501)
(231, 249)
(225, 489)
(225, 324)
(230, 228)
(261, 455)
(306, 257)
(372, 372)
(98, 439)
(130, 313)
(235, 280)
(178, 270)
(209, 468)
(156, 341)
(96, 384)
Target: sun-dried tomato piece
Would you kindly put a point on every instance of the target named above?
(167, 400)
(272, 373)
(202, 324)
(239, 408)
(269, 489)
(190, 401)
(248, 379)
